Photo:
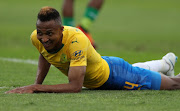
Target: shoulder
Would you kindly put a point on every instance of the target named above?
(72, 31)
(73, 35)
(33, 35)
(79, 40)
(33, 38)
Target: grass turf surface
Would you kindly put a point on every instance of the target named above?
(134, 30)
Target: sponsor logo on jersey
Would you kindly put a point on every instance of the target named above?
(77, 55)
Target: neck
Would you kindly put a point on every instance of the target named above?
(58, 47)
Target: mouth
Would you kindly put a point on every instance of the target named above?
(47, 44)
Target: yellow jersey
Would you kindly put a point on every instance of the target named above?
(76, 51)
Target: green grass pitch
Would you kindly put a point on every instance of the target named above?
(135, 30)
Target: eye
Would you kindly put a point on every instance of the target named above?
(39, 33)
(49, 33)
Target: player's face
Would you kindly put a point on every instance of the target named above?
(49, 34)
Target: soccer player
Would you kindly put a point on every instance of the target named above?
(90, 15)
(69, 50)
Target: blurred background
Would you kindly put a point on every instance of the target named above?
(135, 30)
(138, 30)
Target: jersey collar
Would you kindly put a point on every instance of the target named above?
(55, 51)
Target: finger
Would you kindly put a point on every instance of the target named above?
(14, 91)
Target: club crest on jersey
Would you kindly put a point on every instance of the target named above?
(77, 55)
(63, 58)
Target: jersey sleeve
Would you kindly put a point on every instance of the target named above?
(34, 39)
(78, 50)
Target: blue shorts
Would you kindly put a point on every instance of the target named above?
(124, 76)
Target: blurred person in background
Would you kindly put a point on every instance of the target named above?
(90, 15)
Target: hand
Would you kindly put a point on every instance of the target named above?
(21, 90)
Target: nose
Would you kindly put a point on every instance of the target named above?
(44, 39)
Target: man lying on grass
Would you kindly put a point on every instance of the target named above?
(69, 50)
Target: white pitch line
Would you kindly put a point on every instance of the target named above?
(5, 87)
(28, 61)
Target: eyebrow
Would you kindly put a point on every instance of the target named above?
(49, 30)
(46, 30)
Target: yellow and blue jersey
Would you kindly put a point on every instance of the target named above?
(76, 51)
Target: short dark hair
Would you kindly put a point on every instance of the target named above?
(48, 13)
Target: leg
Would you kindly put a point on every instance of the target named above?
(124, 76)
(91, 13)
(165, 65)
(67, 12)
(89, 17)
(169, 83)
(96, 4)
(154, 65)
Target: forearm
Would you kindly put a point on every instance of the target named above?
(41, 74)
(43, 68)
(76, 78)
(59, 88)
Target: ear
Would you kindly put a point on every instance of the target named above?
(62, 27)
(61, 30)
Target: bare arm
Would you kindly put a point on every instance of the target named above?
(43, 68)
(76, 78)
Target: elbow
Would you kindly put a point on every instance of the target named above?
(77, 90)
